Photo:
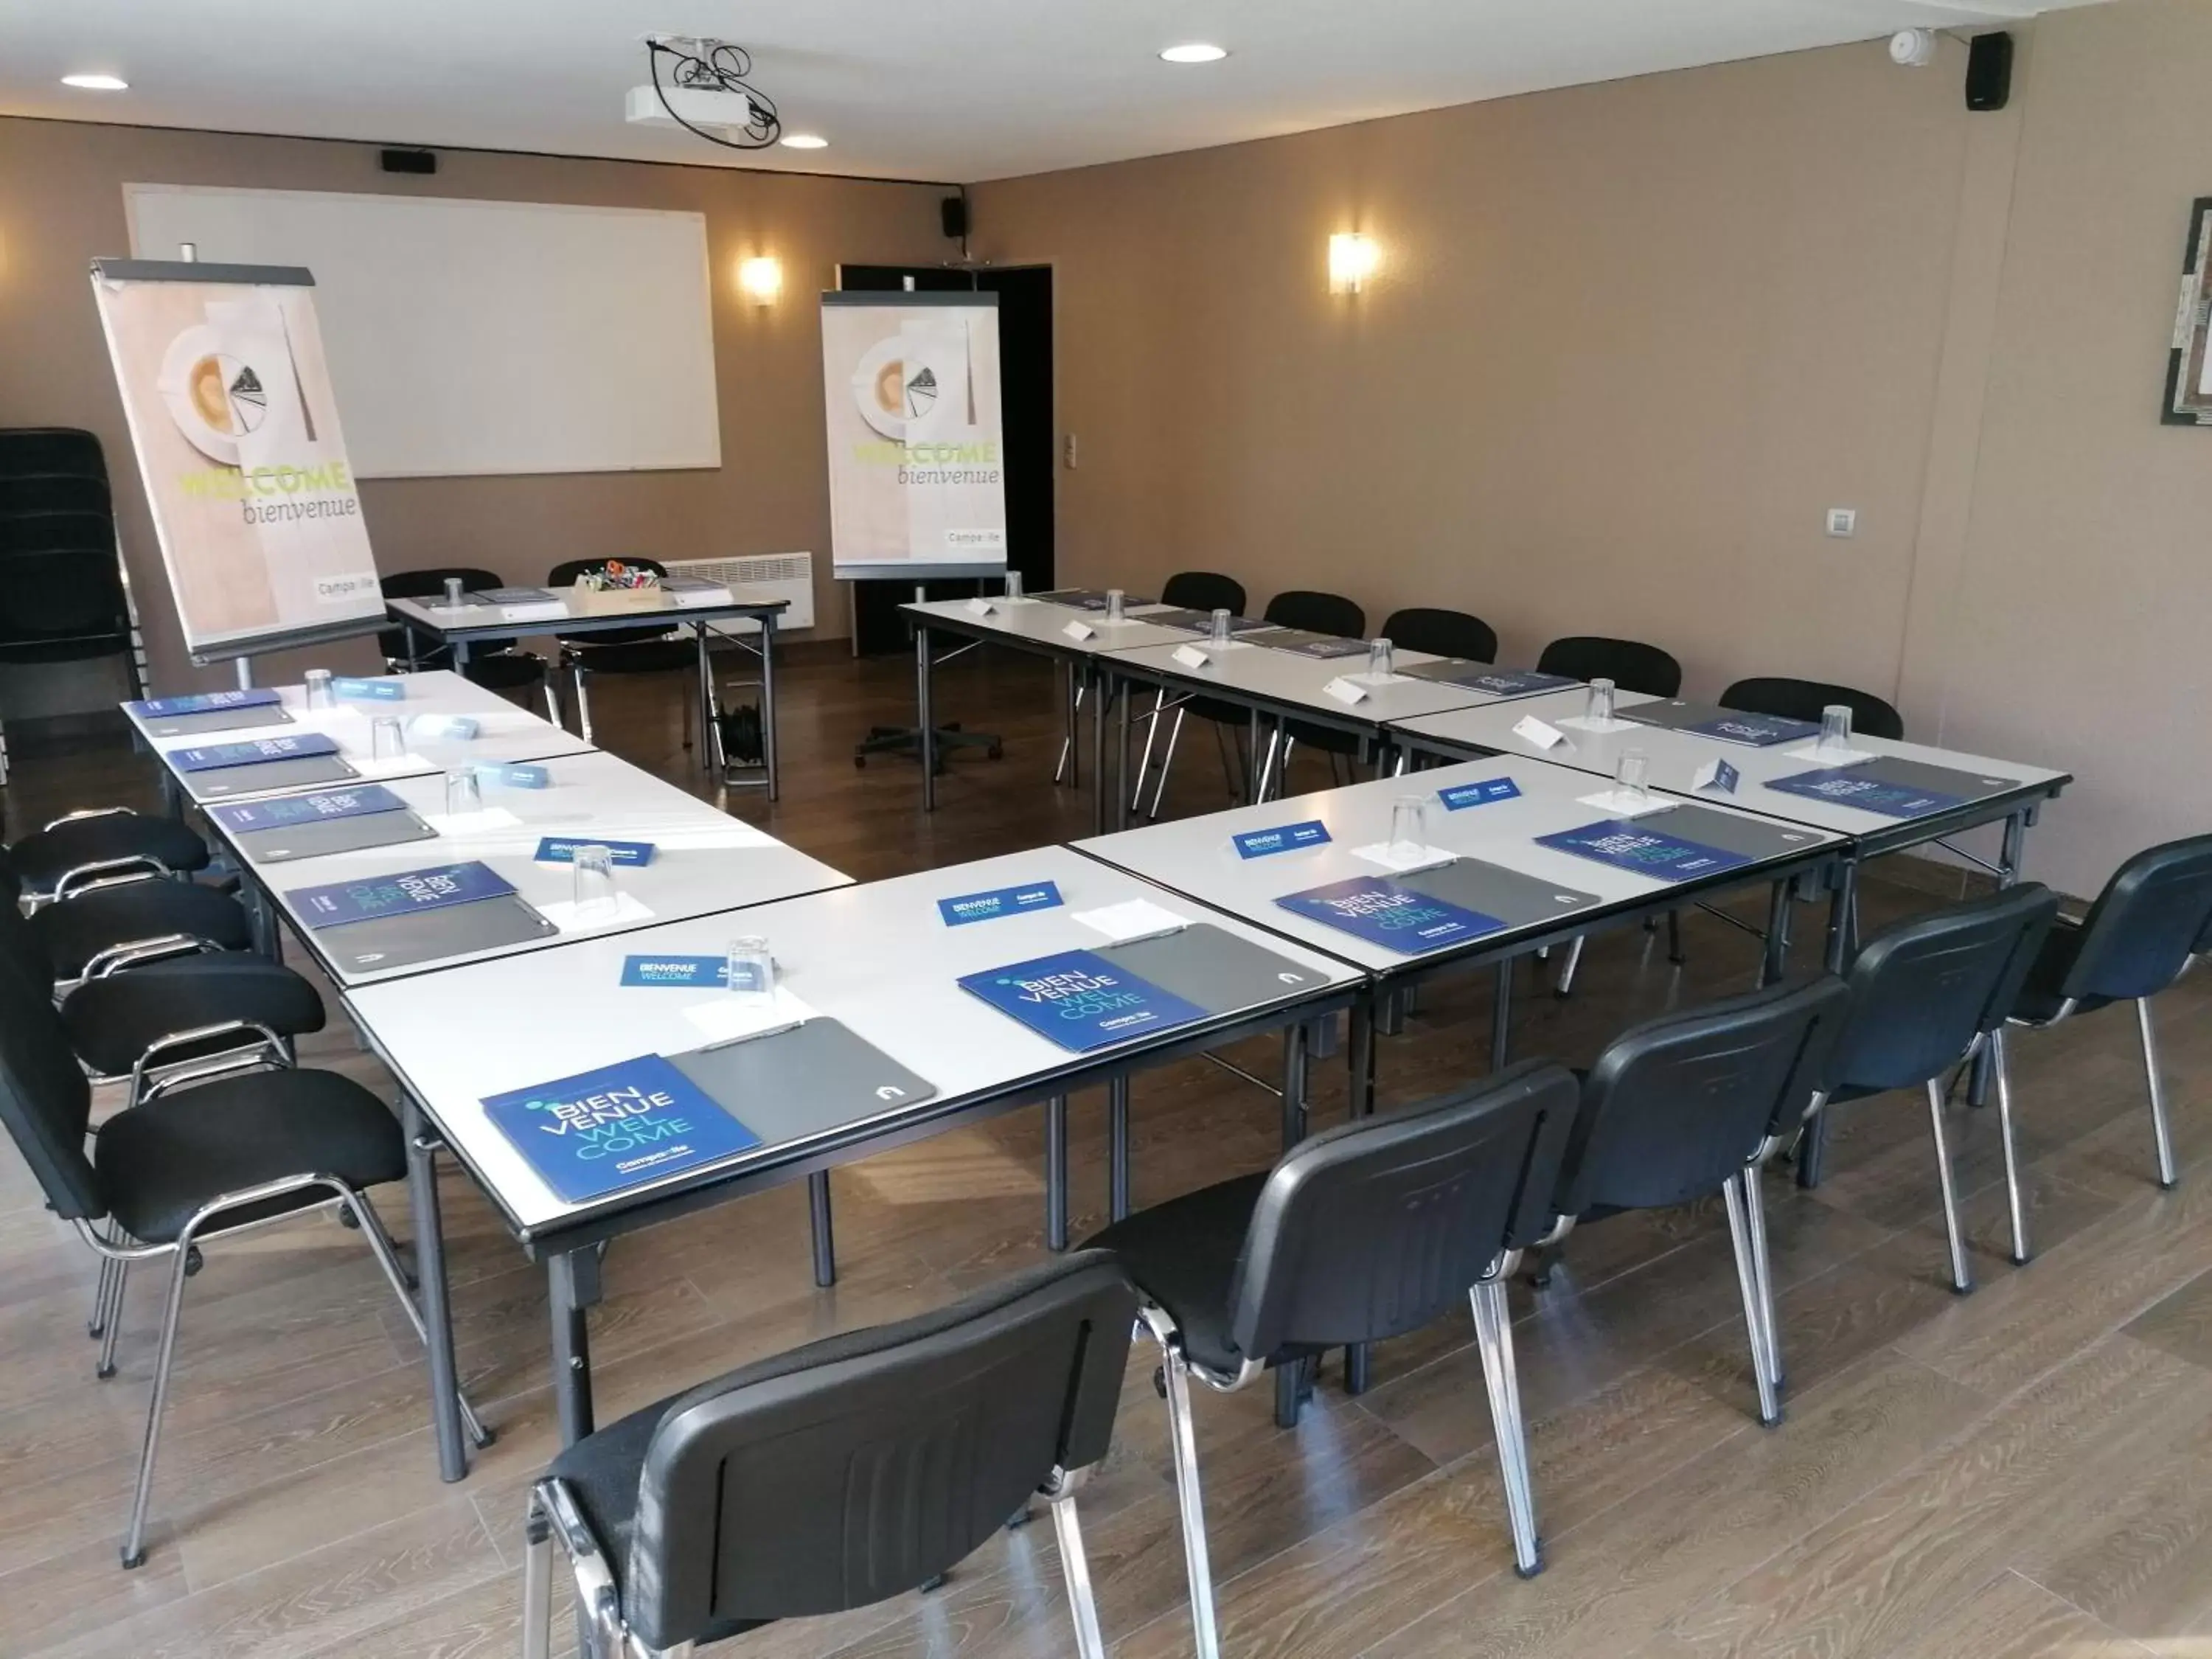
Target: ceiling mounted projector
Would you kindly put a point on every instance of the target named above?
(699, 85)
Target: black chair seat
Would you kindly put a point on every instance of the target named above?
(42, 859)
(647, 656)
(504, 671)
(78, 929)
(159, 1162)
(1328, 738)
(1184, 1253)
(112, 1022)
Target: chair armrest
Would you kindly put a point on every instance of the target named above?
(597, 1598)
(267, 1050)
(108, 872)
(91, 812)
(130, 953)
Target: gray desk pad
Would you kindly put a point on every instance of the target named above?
(1674, 714)
(1323, 648)
(798, 1083)
(1462, 670)
(1089, 599)
(262, 775)
(1924, 774)
(1201, 621)
(317, 837)
(1492, 889)
(1754, 838)
(1217, 971)
(383, 943)
(218, 720)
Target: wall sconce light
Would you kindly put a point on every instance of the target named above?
(761, 280)
(1352, 261)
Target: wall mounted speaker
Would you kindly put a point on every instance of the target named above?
(1989, 71)
(953, 209)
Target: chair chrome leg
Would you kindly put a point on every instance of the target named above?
(2015, 1196)
(537, 1583)
(1183, 1435)
(1675, 939)
(96, 1326)
(552, 698)
(1566, 985)
(379, 1245)
(134, 1542)
(1754, 1213)
(1055, 1173)
(111, 1320)
(1167, 764)
(1068, 740)
(1493, 1331)
(2167, 1175)
(1754, 1315)
(1962, 1275)
(1075, 1567)
(1144, 760)
(583, 703)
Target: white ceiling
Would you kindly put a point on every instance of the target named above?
(953, 90)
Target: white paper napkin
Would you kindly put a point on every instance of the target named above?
(563, 915)
(393, 765)
(1583, 723)
(1136, 919)
(1625, 803)
(1838, 757)
(732, 1018)
(1402, 858)
(472, 824)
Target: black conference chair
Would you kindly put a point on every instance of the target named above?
(1203, 590)
(2145, 929)
(1696, 1103)
(1193, 590)
(1804, 699)
(1361, 1233)
(244, 1144)
(495, 664)
(98, 845)
(103, 929)
(1442, 633)
(653, 649)
(1629, 664)
(1312, 612)
(1926, 995)
(839, 1474)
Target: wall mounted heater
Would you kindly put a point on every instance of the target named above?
(782, 575)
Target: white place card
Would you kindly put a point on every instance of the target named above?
(1625, 803)
(979, 607)
(1717, 774)
(1346, 691)
(1134, 918)
(1529, 729)
(733, 1017)
(1191, 657)
(1402, 858)
(1079, 631)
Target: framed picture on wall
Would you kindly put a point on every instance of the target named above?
(2189, 367)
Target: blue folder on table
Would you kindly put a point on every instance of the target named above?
(251, 817)
(1391, 915)
(204, 702)
(601, 1131)
(214, 757)
(1631, 845)
(1848, 787)
(1080, 1001)
(408, 893)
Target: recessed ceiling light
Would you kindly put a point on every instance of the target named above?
(1196, 51)
(804, 141)
(96, 82)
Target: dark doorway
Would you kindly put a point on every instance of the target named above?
(1025, 386)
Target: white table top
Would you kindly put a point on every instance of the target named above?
(1246, 671)
(1675, 757)
(1041, 622)
(705, 860)
(506, 734)
(1196, 855)
(478, 620)
(877, 957)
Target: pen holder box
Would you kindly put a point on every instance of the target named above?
(611, 601)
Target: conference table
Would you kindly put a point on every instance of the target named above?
(890, 1047)
(459, 629)
(426, 705)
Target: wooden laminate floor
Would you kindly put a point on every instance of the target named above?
(2028, 1471)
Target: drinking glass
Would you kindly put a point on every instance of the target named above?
(464, 793)
(319, 695)
(1219, 633)
(1835, 729)
(596, 895)
(1378, 657)
(1013, 584)
(452, 592)
(1409, 824)
(751, 969)
(387, 741)
(1630, 772)
(1113, 601)
(1599, 704)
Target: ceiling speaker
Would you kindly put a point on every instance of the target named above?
(1989, 71)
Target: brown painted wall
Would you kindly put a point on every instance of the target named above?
(1632, 340)
(61, 204)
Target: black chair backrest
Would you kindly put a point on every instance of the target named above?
(51, 451)
(1442, 634)
(60, 582)
(855, 1468)
(21, 948)
(1377, 1227)
(44, 1100)
(565, 574)
(55, 492)
(430, 583)
(2152, 914)
(1923, 989)
(1203, 590)
(1803, 700)
(1629, 664)
(1317, 613)
(1676, 1105)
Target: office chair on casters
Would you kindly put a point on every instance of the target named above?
(242, 1141)
(495, 664)
(1360, 1233)
(2147, 928)
(837, 1474)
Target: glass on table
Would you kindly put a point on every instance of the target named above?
(317, 687)
(1409, 825)
(464, 792)
(1217, 633)
(1631, 774)
(751, 968)
(387, 738)
(453, 591)
(1835, 729)
(1013, 583)
(598, 899)
(1598, 706)
(1115, 599)
(1378, 657)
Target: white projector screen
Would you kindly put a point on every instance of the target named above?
(469, 337)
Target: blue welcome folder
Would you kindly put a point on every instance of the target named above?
(210, 757)
(601, 1131)
(204, 702)
(405, 894)
(1759, 731)
(1841, 785)
(1080, 1001)
(1385, 913)
(306, 809)
(1625, 845)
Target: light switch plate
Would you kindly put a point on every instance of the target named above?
(1842, 522)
